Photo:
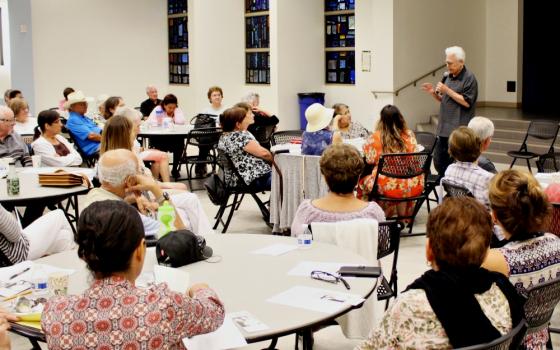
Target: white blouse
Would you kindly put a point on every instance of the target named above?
(48, 154)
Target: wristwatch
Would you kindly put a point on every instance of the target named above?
(164, 197)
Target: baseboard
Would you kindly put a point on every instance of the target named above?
(498, 104)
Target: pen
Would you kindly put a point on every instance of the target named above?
(20, 273)
(20, 294)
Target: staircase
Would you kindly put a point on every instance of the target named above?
(508, 136)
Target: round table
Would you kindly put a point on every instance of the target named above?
(244, 281)
(154, 131)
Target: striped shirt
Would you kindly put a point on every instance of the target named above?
(14, 245)
(472, 177)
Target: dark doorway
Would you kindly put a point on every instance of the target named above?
(540, 75)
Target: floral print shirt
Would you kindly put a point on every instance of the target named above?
(410, 322)
(249, 167)
(356, 130)
(114, 314)
(314, 143)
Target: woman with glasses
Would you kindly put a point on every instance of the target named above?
(53, 148)
(113, 312)
(456, 303)
(348, 128)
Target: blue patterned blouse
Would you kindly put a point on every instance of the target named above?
(314, 143)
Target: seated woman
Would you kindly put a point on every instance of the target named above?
(391, 136)
(110, 106)
(341, 166)
(119, 132)
(113, 311)
(317, 137)
(342, 122)
(433, 311)
(251, 160)
(53, 148)
(25, 124)
(49, 234)
(531, 257)
(170, 109)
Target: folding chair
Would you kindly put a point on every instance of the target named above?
(281, 137)
(549, 163)
(389, 237)
(541, 301)
(200, 138)
(456, 190)
(508, 341)
(544, 130)
(428, 140)
(88, 160)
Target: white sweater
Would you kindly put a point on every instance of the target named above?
(48, 154)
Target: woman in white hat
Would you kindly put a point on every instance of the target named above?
(317, 137)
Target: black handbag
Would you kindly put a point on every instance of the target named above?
(216, 189)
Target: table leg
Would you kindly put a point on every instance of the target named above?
(272, 345)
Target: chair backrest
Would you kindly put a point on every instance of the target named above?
(426, 139)
(541, 301)
(455, 190)
(207, 137)
(549, 163)
(203, 121)
(88, 160)
(227, 167)
(554, 226)
(285, 136)
(263, 133)
(543, 129)
(389, 238)
(511, 340)
(403, 165)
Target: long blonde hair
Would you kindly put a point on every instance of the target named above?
(117, 134)
(392, 125)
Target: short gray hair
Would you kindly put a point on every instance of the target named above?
(250, 97)
(482, 127)
(117, 174)
(6, 112)
(456, 51)
(129, 113)
(150, 87)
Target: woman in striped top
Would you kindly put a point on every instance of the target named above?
(49, 234)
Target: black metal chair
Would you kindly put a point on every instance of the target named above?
(238, 191)
(402, 166)
(90, 160)
(508, 341)
(428, 140)
(549, 163)
(456, 190)
(541, 301)
(543, 130)
(281, 137)
(263, 134)
(200, 138)
(389, 237)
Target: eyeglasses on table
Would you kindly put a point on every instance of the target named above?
(329, 277)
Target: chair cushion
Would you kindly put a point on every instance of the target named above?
(524, 155)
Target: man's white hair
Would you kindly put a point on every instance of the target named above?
(456, 51)
(482, 127)
(250, 97)
(6, 112)
(150, 87)
(133, 115)
(115, 175)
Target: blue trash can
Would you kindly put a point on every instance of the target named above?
(306, 99)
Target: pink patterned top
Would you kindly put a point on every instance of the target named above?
(114, 314)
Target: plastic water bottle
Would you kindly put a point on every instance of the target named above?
(166, 217)
(159, 116)
(40, 282)
(13, 180)
(305, 239)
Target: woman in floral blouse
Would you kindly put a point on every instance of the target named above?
(391, 136)
(456, 303)
(530, 256)
(249, 158)
(348, 128)
(113, 313)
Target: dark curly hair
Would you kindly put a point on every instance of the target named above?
(108, 233)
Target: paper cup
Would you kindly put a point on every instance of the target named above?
(36, 159)
(58, 283)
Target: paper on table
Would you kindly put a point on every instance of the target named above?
(227, 336)
(316, 299)
(247, 321)
(275, 249)
(177, 280)
(90, 173)
(7, 272)
(304, 268)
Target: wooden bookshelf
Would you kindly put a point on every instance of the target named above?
(257, 42)
(340, 38)
(178, 42)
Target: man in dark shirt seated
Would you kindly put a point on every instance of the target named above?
(484, 130)
(265, 122)
(152, 102)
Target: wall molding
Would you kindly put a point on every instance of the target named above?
(498, 104)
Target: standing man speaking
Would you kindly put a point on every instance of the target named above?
(457, 93)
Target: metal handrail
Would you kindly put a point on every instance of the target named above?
(412, 82)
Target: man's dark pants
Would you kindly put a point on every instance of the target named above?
(442, 159)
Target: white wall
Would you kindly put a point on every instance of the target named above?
(374, 33)
(5, 76)
(502, 47)
(102, 46)
(423, 29)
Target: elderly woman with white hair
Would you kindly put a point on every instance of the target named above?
(263, 120)
(484, 130)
